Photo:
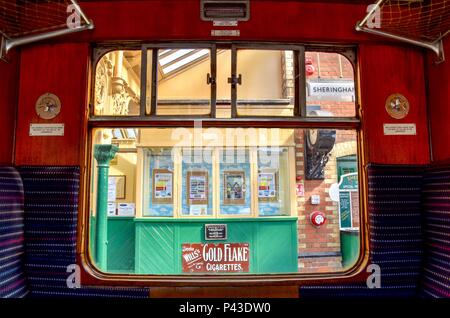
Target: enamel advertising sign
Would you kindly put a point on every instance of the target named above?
(215, 258)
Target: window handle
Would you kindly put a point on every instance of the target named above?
(233, 80)
(210, 80)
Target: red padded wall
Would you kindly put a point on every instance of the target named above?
(386, 70)
(60, 69)
(180, 19)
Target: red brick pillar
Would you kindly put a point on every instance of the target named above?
(319, 247)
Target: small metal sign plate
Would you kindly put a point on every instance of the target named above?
(225, 33)
(399, 129)
(216, 232)
(46, 130)
(225, 23)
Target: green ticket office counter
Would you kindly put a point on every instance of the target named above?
(154, 245)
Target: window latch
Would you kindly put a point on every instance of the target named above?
(210, 80)
(234, 80)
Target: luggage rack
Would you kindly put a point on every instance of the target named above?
(32, 21)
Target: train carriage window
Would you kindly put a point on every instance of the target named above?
(182, 86)
(269, 183)
(117, 84)
(173, 196)
(207, 81)
(330, 85)
(266, 82)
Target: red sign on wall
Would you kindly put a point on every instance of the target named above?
(215, 258)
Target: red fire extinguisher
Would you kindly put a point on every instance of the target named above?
(317, 218)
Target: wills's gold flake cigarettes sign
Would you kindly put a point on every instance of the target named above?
(215, 258)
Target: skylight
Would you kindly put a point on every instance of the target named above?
(172, 55)
(172, 61)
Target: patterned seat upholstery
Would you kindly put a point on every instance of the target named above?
(395, 231)
(51, 210)
(399, 226)
(436, 206)
(12, 278)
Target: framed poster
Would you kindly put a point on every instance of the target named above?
(234, 187)
(162, 182)
(197, 187)
(116, 184)
(267, 186)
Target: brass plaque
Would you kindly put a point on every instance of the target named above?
(397, 106)
(48, 106)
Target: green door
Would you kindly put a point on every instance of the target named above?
(347, 164)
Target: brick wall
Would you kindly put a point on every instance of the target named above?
(319, 247)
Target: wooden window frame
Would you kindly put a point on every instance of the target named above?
(90, 275)
(300, 107)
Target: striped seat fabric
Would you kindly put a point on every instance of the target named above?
(51, 209)
(12, 278)
(408, 207)
(436, 205)
(395, 231)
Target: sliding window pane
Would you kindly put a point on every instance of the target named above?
(182, 87)
(330, 85)
(267, 83)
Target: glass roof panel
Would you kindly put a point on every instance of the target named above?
(173, 56)
(185, 61)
